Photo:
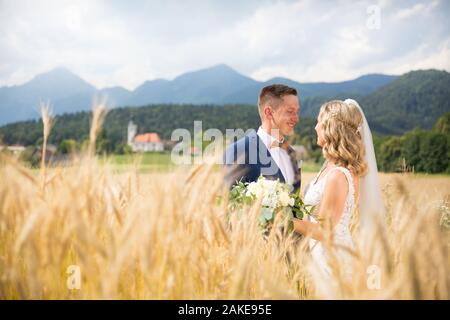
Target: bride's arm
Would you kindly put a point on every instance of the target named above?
(331, 207)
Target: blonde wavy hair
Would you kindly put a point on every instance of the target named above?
(341, 126)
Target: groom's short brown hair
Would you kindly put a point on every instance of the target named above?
(273, 95)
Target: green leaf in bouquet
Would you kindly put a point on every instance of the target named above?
(299, 215)
(297, 212)
(310, 209)
(238, 195)
(262, 220)
(267, 213)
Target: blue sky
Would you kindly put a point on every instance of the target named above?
(124, 43)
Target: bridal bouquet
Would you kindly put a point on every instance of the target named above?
(276, 199)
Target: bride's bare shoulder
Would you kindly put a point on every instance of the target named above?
(337, 180)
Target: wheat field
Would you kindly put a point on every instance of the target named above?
(87, 232)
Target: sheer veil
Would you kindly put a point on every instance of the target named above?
(371, 208)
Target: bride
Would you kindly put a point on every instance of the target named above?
(348, 178)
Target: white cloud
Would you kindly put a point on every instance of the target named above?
(410, 12)
(125, 43)
(420, 59)
(415, 10)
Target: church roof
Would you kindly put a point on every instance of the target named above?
(147, 137)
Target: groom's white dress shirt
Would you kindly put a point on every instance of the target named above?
(278, 154)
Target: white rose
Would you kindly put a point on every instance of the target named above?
(284, 198)
(255, 189)
(251, 189)
(266, 202)
(269, 185)
(270, 200)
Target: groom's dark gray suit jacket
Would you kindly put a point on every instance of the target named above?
(248, 158)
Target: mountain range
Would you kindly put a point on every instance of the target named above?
(393, 104)
(68, 93)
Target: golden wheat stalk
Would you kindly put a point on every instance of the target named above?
(164, 236)
(47, 122)
(99, 111)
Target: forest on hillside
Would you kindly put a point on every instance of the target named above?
(420, 150)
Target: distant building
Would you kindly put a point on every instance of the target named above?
(14, 149)
(146, 142)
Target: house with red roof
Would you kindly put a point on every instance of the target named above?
(145, 142)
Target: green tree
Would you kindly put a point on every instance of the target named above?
(378, 140)
(434, 152)
(390, 154)
(443, 124)
(123, 148)
(67, 146)
(411, 146)
(103, 144)
(32, 156)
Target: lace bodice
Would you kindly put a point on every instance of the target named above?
(314, 196)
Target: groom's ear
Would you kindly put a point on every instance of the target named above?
(267, 111)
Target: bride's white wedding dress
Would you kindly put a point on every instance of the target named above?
(342, 239)
(370, 207)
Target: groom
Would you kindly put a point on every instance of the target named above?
(265, 151)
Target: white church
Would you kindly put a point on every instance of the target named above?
(145, 142)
